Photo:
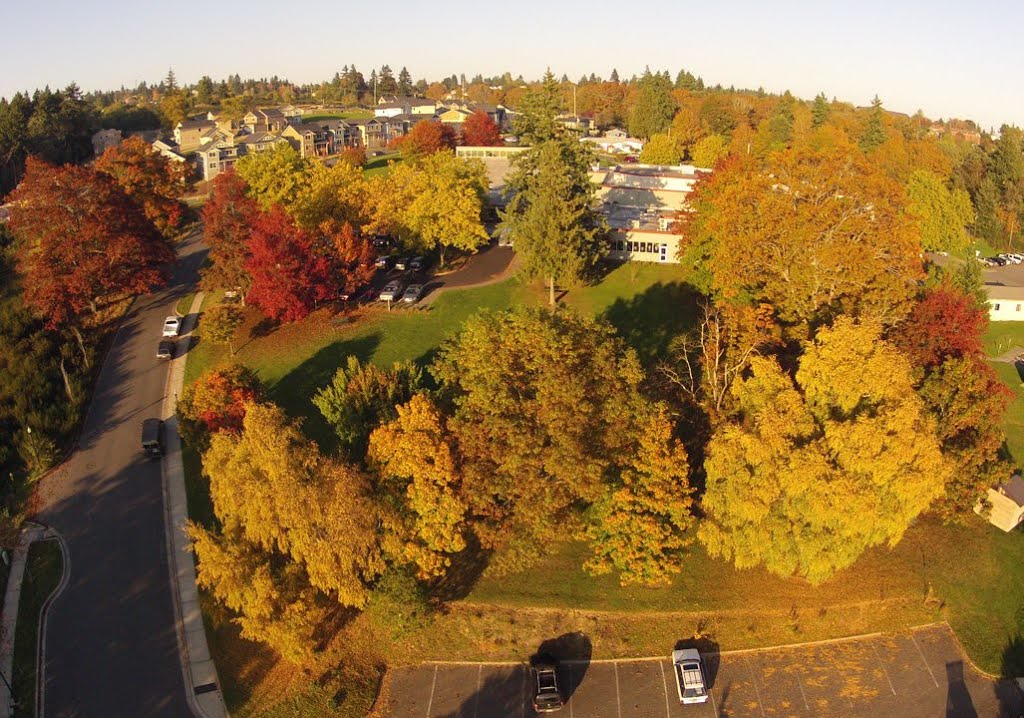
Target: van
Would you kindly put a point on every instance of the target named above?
(153, 437)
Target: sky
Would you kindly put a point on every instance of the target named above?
(949, 59)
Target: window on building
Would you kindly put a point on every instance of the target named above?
(995, 306)
(1018, 307)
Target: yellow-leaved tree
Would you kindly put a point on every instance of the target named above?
(416, 457)
(812, 472)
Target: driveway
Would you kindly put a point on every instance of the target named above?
(921, 674)
(110, 645)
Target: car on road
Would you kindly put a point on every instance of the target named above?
(413, 293)
(392, 292)
(383, 261)
(153, 437)
(172, 326)
(402, 263)
(547, 697)
(689, 672)
(165, 350)
(418, 263)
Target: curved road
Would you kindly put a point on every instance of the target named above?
(111, 648)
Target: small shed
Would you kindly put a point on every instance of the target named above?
(1007, 504)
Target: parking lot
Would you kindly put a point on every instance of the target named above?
(918, 674)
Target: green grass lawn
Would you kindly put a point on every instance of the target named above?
(380, 165)
(43, 570)
(1003, 336)
(321, 115)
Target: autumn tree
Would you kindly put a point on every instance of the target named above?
(811, 473)
(434, 203)
(815, 233)
(709, 150)
(480, 130)
(361, 397)
(228, 218)
(153, 181)
(551, 217)
(820, 110)
(661, 150)
(330, 194)
(945, 323)
(943, 214)
(416, 456)
(216, 401)
(289, 276)
(81, 241)
(425, 138)
(541, 431)
(350, 255)
(274, 177)
(874, 130)
(220, 323)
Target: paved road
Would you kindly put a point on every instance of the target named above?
(111, 648)
(918, 675)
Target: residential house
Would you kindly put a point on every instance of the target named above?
(1005, 504)
(259, 142)
(455, 116)
(216, 157)
(344, 134)
(373, 133)
(615, 141)
(215, 134)
(577, 123)
(267, 119)
(1005, 304)
(105, 139)
(405, 106)
(310, 140)
(187, 133)
(168, 150)
(498, 113)
(292, 113)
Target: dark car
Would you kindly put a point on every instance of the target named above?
(418, 263)
(384, 261)
(153, 437)
(165, 350)
(547, 698)
(370, 294)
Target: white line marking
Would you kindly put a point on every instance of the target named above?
(800, 684)
(757, 691)
(925, 660)
(891, 687)
(664, 684)
(714, 704)
(479, 680)
(430, 703)
(618, 698)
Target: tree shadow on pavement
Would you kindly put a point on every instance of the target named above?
(958, 699)
(1008, 693)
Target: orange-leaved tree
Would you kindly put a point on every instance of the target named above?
(155, 182)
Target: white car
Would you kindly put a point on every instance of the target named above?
(392, 292)
(172, 326)
(689, 672)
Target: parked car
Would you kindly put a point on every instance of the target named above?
(383, 261)
(413, 293)
(172, 326)
(689, 672)
(547, 697)
(381, 241)
(1000, 261)
(402, 263)
(418, 263)
(153, 437)
(392, 292)
(165, 350)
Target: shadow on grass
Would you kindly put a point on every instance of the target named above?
(652, 319)
(467, 567)
(295, 390)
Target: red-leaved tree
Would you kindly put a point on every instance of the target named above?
(945, 323)
(81, 241)
(351, 253)
(228, 218)
(216, 402)
(155, 182)
(355, 156)
(425, 138)
(289, 275)
(480, 130)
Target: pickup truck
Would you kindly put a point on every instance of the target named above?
(689, 672)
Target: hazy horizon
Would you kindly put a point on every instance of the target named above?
(946, 59)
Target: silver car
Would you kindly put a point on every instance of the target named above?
(413, 293)
(392, 292)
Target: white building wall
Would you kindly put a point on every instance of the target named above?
(1006, 310)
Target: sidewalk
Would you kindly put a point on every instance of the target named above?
(200, 674)
(30, 533)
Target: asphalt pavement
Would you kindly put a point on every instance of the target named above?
(110, 644)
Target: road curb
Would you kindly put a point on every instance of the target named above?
(29, 534)
(49, 534)
(202, 686)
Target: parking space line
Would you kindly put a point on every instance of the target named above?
(479, 679)
(714, 704)
(433, 684)
(757, 691)
(882, 666)
(921, 653)
(803, 695)
(619, 698)
(664, 684)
